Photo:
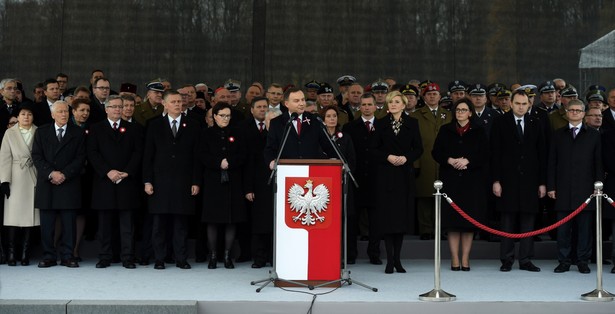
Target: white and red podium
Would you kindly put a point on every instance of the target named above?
(308, 220)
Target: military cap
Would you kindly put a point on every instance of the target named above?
(431, 87)
(312, 84)
(569, 91)
(409, 90)
(477, 89)
(456, 86)
(596, 95)
(597, 87)
(128, 88)
(546, 87)
(493, 88)
(446, 100)
(346, 80)
(379, 86)
(502, 93)
(232, 85)
(155, 86)
(529, 89)
(324, 88)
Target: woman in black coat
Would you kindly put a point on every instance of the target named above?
(223, 155)
(461, 150)
(397, 145)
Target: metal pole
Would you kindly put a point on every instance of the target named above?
(598, 294)
(437, 294)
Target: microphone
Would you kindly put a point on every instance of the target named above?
(322, 123)
(293, 116)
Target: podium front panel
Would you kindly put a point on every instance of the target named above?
(308, 222)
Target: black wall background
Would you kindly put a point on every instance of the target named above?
(296, 41)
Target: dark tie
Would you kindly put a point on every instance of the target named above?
(10, 109)
(261, 126)
(114, 126)
(434, 111)
(60, 131)
(174, 127)
(574, 132)
(298, 126)
(368, 125)
(478, 114)
(519, 128)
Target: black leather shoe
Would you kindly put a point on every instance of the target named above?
(463, 268)
(561, 268)
(398, 267)
(389, 268)
(159, 265)
(47, 263)
(529, 266)
(213, 262)
(103, 263)
(583, 268)
(183, 265)
(375, 260)
(506, 266)
(258, 265)
(455, 268)
(129, 264)
(70, 263)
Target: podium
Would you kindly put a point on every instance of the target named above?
(308, 221)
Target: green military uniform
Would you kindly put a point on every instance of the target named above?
(244, 108)
(558, 119)
(145, 112)
(429, 125)
(382, 112)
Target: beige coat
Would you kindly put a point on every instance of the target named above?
(16, 167)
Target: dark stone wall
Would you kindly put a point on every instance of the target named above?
(293, 42)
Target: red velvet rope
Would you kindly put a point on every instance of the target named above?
(518, 235)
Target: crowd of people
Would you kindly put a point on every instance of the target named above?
(127, 167)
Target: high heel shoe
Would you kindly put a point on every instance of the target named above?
(213, 261)
(463, 268)
(389, 268)
(398, 267)
(228, 263)
(455, 268)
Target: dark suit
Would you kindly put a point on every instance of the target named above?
(311, 144)
(42, 114)
(170, 165)
(120, 150)
(574, 166)
(485, 120)
(519, 165)
(97, 111)
(608, 151)
(68, 157)
(608, 122)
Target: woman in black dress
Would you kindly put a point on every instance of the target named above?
(397, 145)
(223, 154)
(461, 150)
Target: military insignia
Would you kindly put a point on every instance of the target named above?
(443, 116)
(308, 204)
(122, 130)
(306, 120)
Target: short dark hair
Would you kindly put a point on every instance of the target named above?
(49, 81)
(519, 92)
(81, 89)
(220, 106)
(38, 85)
(368, 95)
(257, 99)
(96, 70)
(169, 93)
(100, 79)
(78, 101)
(290, 91)
(61, 75)
(464, 100)
(128, 97)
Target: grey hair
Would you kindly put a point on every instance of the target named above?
(577, 102)
(112, 97)
(59, 102)
(5, 81)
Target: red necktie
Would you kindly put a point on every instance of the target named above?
(261, 126)
(368, 125)
(298, 126)
(115, 126)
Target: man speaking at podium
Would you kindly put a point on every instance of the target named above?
(306, 139)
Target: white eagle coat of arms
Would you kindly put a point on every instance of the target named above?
(308, 204)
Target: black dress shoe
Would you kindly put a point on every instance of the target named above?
(70, 263)
(388, 269)
(561, 268)
(183, 265)
(506, 266)
(159, 265)
(25, 262)
(463, 268)
(583, 268)
(455, 268)
(47, 263)
(129, 264)
(398, 267)
(529, 266)
(375, 260)
(213, 263)
(258, 265)
(103, 263)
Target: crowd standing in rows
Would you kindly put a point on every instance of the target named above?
(130, 167)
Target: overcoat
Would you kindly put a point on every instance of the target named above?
(67, 157)
(16, 168)
(608, 151)
(120, 150)
(429, 125)
(519, 164)
(395, 185)
(223, 202)
(466, 187)
(574, 166)
(364, 172)
(170, 165)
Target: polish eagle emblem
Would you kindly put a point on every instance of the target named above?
(308, 204)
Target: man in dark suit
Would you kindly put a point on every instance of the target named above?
(8, 102)
(484, 115)
(306, 139)
(575, 163)
(58, 153)
(115, 149)
(258, 192)
(42, 115)
(361, 131)
(172, 177)
(608, 121)
(100, 93)
(518, 164)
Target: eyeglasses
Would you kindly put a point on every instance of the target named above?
(103, 88)
(594, 115)
(461, 110)
(224, 116)
(116, 107)
(575, 111)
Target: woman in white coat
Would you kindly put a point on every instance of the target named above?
(18, 177)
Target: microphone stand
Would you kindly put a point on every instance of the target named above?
(345, 276)
(273, 275)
